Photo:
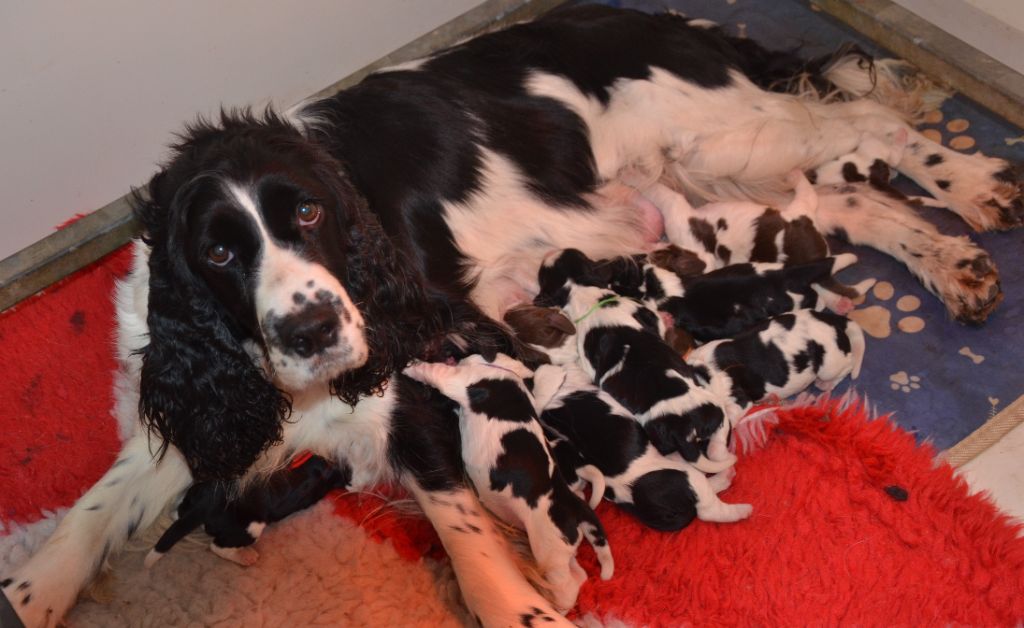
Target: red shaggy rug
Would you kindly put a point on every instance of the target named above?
(853, 522)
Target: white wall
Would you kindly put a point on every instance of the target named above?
(995, 27)
(91, 91)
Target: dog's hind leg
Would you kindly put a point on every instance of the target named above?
(127, 499)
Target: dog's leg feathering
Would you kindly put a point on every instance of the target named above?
(493, 587)
(127, 499)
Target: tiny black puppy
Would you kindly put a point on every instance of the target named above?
(236, 522)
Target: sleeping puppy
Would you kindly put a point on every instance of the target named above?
(728, 300)
(507, 459)
(663, 492)
(873, 157)
(619, 345)
(236, 522)
(784, 356)
(728, 232)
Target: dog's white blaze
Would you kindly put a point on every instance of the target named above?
(281, 275)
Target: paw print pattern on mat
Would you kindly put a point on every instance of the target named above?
(904, 382)
(876, 319)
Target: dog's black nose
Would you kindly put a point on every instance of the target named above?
(310, 331)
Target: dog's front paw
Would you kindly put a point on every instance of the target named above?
(963, 276)
(32, 605)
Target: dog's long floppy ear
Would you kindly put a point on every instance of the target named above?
(401, 321)
(200, 390)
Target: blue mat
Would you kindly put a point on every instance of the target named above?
(932, 389)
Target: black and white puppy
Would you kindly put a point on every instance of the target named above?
(784, 356)
(663, 492)
(578, 473)
(873, 156)
(620, 346)
(724, 302)
(236, 521)
(507, 459)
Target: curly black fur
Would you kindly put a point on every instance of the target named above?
(200, 390)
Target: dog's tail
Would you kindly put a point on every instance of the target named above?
(593, 475)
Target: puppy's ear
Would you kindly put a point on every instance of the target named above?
(542, 326)
(679, 261)
(680, 340)
(200, 390)
(559, 322)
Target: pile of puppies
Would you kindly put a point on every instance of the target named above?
(637, 369)
(634, 373)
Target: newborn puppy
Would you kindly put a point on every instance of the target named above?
(663, 492)
(728, 300)
(507, 459)
(784, 356)
(620, 346)
(873, 156)
(727, 232)
(236, 521)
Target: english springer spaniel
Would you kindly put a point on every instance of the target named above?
(292, 265)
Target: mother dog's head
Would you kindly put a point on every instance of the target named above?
(268, 276)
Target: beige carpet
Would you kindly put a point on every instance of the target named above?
(315, 569)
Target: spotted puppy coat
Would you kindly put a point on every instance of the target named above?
(663, 492)
(620, 346)
(236, 521)
(784, 356)
(507, 459)
(726, 301)
(725, 232)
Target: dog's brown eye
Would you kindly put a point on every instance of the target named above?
(220, 254)
(308, 214)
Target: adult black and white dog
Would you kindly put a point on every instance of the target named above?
(292, 265)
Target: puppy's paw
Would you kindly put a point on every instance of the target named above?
(722, 512)
(722, 480)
